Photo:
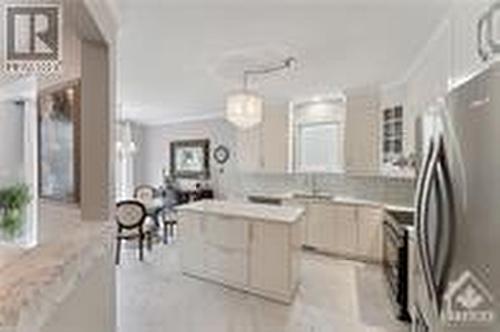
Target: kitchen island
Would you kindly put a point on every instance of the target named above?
(251, 247)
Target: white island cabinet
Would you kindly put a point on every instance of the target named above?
(251, 247)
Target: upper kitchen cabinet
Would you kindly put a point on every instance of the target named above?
(362, 127)
(470, 19)
(317, 143)
(398, 125)
(264, 148)
(274, 149)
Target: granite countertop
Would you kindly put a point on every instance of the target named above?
(34, 281)
(324, 197)
(285, 214)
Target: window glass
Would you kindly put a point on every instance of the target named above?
(319, 148)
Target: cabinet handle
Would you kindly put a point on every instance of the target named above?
(481, 24)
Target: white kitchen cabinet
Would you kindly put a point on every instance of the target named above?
(362, 131)
(320, 225)
(331, 227)
(344, 231)
(193, 247)
(259, 254)
(269, 249)
(304, 204)
(264, 148)
(225, 248)
(248, 151)
(275, 128)
(369, 233)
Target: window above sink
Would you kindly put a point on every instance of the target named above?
(317, 142)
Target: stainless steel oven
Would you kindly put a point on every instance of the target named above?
(395, 251)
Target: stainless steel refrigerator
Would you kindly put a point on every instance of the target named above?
(457, 272)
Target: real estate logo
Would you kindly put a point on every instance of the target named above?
(32, 38)
(468, 301)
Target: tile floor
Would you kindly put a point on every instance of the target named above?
(335, 296)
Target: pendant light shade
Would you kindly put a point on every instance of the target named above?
(244, 109)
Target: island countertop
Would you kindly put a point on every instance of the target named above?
(285, 214)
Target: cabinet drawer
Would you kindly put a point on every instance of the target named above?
(370, 233)
(226, 265)
(370, 214)
(345, 212)
(225, 232)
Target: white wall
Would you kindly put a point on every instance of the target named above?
(18, 147)
(154, 150)
(11, 143)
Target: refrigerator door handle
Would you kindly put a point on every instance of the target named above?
(445, 240)
(421, 219)
(460, 200)
(421, 179)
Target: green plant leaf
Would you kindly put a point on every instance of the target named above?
(13, 201)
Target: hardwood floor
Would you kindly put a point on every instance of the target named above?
(335, 295)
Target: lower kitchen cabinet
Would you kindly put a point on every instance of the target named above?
(353, 230)
(369, 239)
(269, 248)
(318, 230)
(225, 249)
(191, 256)
(258, 256)
(345, 230)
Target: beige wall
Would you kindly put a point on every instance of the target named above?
(95, 126)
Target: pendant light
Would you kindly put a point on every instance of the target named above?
(244, 108)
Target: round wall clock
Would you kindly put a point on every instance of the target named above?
(221, 154)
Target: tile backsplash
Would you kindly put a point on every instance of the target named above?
(399, 191)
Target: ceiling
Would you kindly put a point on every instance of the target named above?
(179, 61)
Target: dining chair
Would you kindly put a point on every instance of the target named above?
(130, 220)
(171, 197)
(145, 193)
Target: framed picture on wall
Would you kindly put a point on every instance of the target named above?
(190, 159)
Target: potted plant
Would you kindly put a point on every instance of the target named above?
(13, 201)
